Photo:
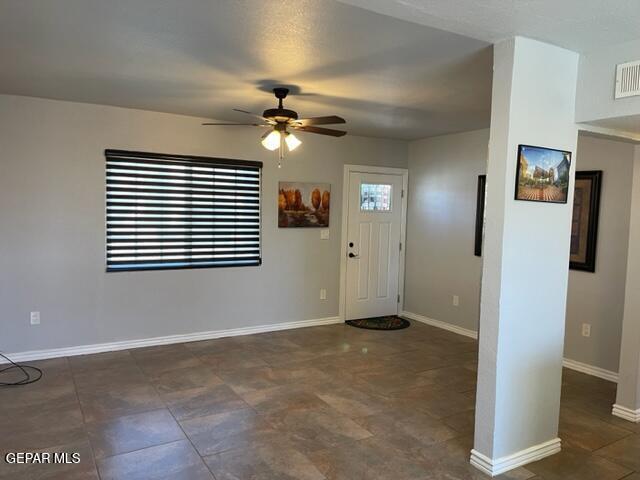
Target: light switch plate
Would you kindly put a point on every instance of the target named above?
(34, 317)
(324, 234)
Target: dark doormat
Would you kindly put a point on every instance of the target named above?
(390, 322)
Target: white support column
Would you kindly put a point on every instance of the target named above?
(628, 399)
(526, 261)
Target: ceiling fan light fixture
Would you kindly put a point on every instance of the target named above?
(271, 140)
(278, 119)
(292, 141)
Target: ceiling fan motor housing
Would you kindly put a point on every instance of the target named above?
(280, 114)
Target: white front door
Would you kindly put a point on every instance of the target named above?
(373, 244)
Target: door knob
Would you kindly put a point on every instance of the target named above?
(353, 255)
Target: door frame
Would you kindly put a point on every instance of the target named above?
(348, 169)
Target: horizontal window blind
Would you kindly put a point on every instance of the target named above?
(174, 211)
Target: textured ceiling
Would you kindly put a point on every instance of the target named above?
(579, 25)
(387, 77)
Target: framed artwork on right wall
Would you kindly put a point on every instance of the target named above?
(584, 224)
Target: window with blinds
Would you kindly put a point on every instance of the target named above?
(174, 211)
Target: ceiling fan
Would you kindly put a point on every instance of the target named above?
(280, 120)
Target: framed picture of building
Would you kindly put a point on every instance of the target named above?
(542, 174)
(584, 223)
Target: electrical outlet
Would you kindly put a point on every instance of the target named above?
(456, 300)
(323, 294)
(586, 330)
(35, 318)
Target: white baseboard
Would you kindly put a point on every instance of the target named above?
(439, 324)
(567, 362)
(504, 464)
(192, 337)
(148, 342)
(590, 370)
(626, 413)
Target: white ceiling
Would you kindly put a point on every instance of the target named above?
(387, 77)
(629, 124)
(579, 25)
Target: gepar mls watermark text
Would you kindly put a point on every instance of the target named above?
(42, 457)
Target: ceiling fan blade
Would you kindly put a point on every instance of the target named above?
(321, 131)
(239, 124)
(319, 121)
(254, 115)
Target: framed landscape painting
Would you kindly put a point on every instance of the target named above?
(542, 174)
(303, 204)
(584, 223)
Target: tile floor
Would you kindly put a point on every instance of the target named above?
(331, 402)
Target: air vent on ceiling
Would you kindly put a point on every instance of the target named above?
(628, 79)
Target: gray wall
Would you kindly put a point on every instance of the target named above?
(597, 80)
(440, 262)
(443, 174)
(598, 298)
(52, 230)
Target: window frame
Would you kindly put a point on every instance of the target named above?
(218, 161)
